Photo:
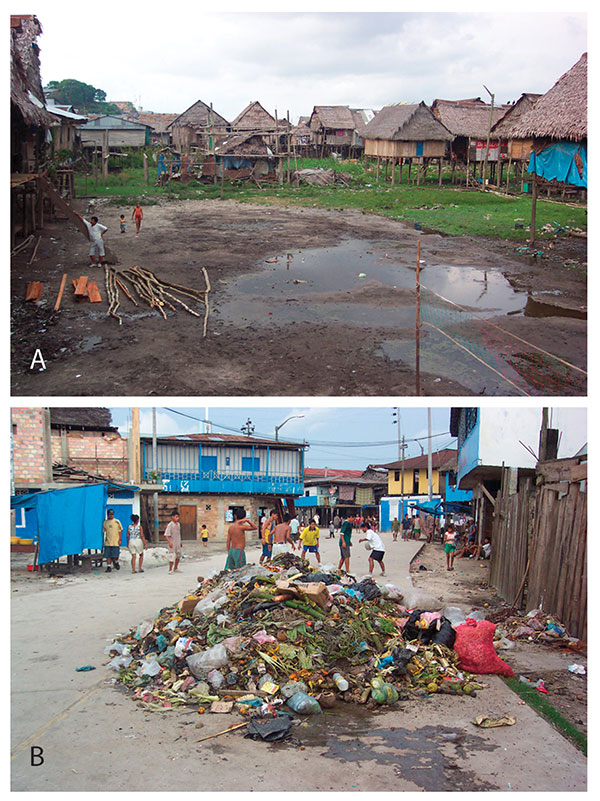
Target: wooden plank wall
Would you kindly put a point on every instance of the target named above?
(551, 531)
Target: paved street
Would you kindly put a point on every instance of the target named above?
(93, 736)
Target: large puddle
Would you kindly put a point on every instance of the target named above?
(361, 281)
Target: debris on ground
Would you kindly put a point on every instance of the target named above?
(485, 722)
(321, 177)
(262, 637)
(536, 626)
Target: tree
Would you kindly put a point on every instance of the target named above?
(83, 96)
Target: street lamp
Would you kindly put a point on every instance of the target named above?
(281, 425)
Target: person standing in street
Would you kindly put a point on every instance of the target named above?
(204, 535)
(417, 528)
(136, 543)
(267, 536)
(310, 540)
(111, 532)
(406, 526)
(173, 537)
(337, 522)
(236, 539)
(282, 538)
(294, 526)
(377, 545)
(345, 542)
(395, 528)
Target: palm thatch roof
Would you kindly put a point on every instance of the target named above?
(562, 112)
(334, 117)
(404, 122)
(505, 127)
(26, 93)
(254, 118)
(244, 144)
(198, 116)
(470, 118)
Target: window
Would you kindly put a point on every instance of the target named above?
(396, 475)
(208, 464)
(250, 464)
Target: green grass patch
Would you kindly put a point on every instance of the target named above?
(544, 707)
(447, 209)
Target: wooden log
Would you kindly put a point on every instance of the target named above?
(60, 292)
(81, 286)
(35, 250)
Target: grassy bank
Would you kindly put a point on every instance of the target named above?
(448, 209)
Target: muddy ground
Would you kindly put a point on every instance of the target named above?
(316, 328)
(467, 587)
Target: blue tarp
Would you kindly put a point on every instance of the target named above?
(558, 162)
(69, 520)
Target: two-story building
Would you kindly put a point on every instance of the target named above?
(330, 491)
(490, 439)
(207, 477)
(408, 487)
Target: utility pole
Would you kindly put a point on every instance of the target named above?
(135, 446)
(429, 457)
(487, 147)
(155, 469)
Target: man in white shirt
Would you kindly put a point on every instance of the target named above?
(377, 551)
(95, 233)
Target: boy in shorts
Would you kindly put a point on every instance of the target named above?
(310, 541)
(450, 546)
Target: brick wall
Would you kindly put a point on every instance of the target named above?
(29, 456)
(100, 453)
(210, 509)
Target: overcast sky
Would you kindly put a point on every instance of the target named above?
(168, 60)
(319, 426)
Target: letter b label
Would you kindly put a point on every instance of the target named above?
(36, 756)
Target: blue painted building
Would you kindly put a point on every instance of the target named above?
(208, 476)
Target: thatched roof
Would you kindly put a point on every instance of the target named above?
(562, 112)
(26, 93)
(158, 122)
(254, 118)
(335, 117)
(403, 122)
(198, 116)
(90, 419)
(467, 118)
(504, 128)
(245, 144)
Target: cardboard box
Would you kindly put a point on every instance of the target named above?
(317, 592)
(187, 605)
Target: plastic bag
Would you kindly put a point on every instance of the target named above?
(182, 645)
(391, 592)
(120, 661)
(150, 667)
(215, 679)
(454, 614)
(262, 637)
(215, 657)
(384, 694)
(293, 687)
(117, 647)
(144, 629)
(475, 649)
(304, 704)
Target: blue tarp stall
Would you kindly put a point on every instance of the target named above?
(439, 508)
(562, 161)
(68, 520)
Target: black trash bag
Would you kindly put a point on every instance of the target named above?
(446, 634)
(411, 631)
(369, 589)
(402, 657)
(269, 729)
(326, 578)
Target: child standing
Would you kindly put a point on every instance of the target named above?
(204, 535)
(122, 223)
(138, 215)
(450, 546)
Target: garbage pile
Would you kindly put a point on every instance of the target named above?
(536, 626)
(260, 636)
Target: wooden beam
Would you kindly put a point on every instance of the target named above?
(60, 292)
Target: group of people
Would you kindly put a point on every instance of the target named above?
(96, 231)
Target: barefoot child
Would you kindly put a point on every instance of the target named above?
(136, 542)
(138, 215)
(450, 546)
(377, 551)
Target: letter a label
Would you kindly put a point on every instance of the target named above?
(38, 359)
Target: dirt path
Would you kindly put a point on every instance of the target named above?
(337, 321)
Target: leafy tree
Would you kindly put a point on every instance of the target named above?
(83, 96)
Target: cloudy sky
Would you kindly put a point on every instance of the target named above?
(332, 432)
(292, 61)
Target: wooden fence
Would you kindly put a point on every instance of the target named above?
(539, 544)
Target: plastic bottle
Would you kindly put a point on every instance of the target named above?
(340, 682)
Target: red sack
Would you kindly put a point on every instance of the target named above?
(475, 649)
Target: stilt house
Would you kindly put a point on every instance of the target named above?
(199, 126)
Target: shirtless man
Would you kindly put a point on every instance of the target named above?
(282, 538)
(236, 540)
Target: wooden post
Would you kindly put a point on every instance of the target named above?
(440, 172)
(378, 161)
(288, 148)
(418, 323)
(508, 173)
(400, 160)
(534, 190)
(104, 156)
(146, 174)
(393, 172)
(468, 160)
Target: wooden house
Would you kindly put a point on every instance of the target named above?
(199, 127)
(65, 129)
(470, 122)
(405, 131)
(256, 119)
(114, 131)
(240, 156)
(30, 123)
(160, 132)
(334, 129)
(302, 139)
